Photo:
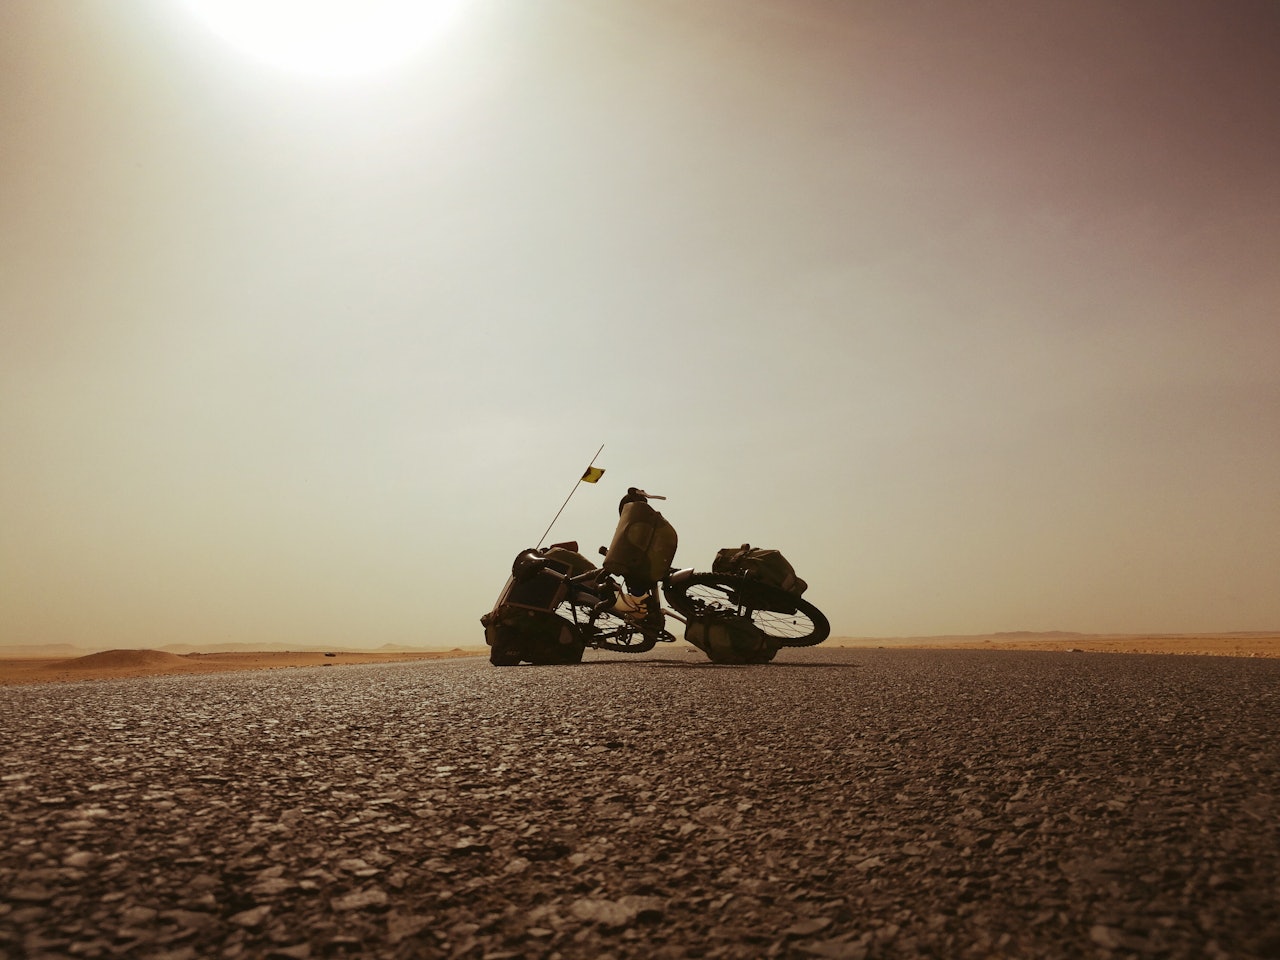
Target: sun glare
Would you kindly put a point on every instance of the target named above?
(326, 37)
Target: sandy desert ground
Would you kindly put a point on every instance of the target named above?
(114, 664)
(1265, 644)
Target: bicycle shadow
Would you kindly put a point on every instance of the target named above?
(667, 663)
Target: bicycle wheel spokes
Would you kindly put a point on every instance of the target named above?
(708, 598)
(607, 630)
(783, 626)
(783, 616)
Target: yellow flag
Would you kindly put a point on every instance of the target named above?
(593, 474)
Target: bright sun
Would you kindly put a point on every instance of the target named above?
(326, 37)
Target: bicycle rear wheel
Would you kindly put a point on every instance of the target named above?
(783, 616)
(606, 630)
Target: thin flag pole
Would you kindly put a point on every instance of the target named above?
(568, 498)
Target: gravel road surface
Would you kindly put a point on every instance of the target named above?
(838, 803)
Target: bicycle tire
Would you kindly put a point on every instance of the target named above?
(781, 616)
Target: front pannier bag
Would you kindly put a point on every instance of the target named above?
(730, 639)
(759, 564)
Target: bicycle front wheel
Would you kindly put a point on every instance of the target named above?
(782, 616)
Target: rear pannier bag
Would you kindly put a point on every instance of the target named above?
(760, 564)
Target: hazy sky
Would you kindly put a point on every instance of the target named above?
(972, 309)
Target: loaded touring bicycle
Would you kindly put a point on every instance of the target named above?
(557, 603)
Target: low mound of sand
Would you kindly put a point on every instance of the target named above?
(117, 664)
(123, 659)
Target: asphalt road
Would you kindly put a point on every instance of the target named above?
(837, 803)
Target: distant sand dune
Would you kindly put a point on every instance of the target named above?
(124, 660)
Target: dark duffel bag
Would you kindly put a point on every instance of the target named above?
(760, 564)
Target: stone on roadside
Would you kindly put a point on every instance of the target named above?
(250, 918)
(361, 899)
(618, 913)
